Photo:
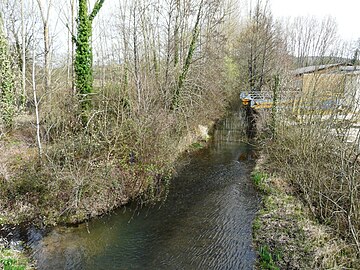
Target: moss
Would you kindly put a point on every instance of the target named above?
(84, 56)
(7, 83)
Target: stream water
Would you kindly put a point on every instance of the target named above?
(205, 223)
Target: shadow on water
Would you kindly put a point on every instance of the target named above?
(204, 224)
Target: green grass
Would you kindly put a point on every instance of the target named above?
(11, 264)
(197, 145)
(10, 260)
(286, 236)
(256, 225)
(259, 178)
(267, 259)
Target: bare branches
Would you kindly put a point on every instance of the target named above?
(307, 38)
(46, 37)
(185, 70)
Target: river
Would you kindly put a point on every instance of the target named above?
(205, 223)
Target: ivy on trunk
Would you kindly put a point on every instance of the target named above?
(7, 95)
(83, 57)
(182, 78)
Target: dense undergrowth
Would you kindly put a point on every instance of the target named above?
(10, 261)
(310, 178)
(119, 156)
(287, 236)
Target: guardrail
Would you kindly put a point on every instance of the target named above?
(257, 99)
(295, 99)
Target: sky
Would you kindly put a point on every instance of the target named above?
(346, 12)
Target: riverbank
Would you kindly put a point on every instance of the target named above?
(27, 195)
(32, 191)
(286, 234)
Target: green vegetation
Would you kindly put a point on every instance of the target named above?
(12, 260)
(267, 259)
(102, 150)
(198, 145)
(84, 56)
(162, 69)
(260, 180)
(7, 85)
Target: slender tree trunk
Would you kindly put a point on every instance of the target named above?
(73, 47)
(185, 70)
(168, 46)
(47, 58)
(136, 60)
(45, 20)
(276, 89)
(68, 60)
(176, 34)
(38, 139)
(23, 57)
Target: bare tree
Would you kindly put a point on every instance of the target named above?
(311, 40)
(23, 58)
(36, 102)
(260, 48)
(45, 13)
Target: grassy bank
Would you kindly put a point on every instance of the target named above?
(288, 236)
(310, 177)
(80, 178)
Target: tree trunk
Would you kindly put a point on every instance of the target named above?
(185, 70)
(38, 139)
(23, 57)
(84, 58)
(7, 95)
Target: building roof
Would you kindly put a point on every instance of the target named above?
(349, 68)
(311, 69)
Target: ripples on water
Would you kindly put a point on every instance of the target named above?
(204, 224)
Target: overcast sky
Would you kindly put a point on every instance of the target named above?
(346, 12)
